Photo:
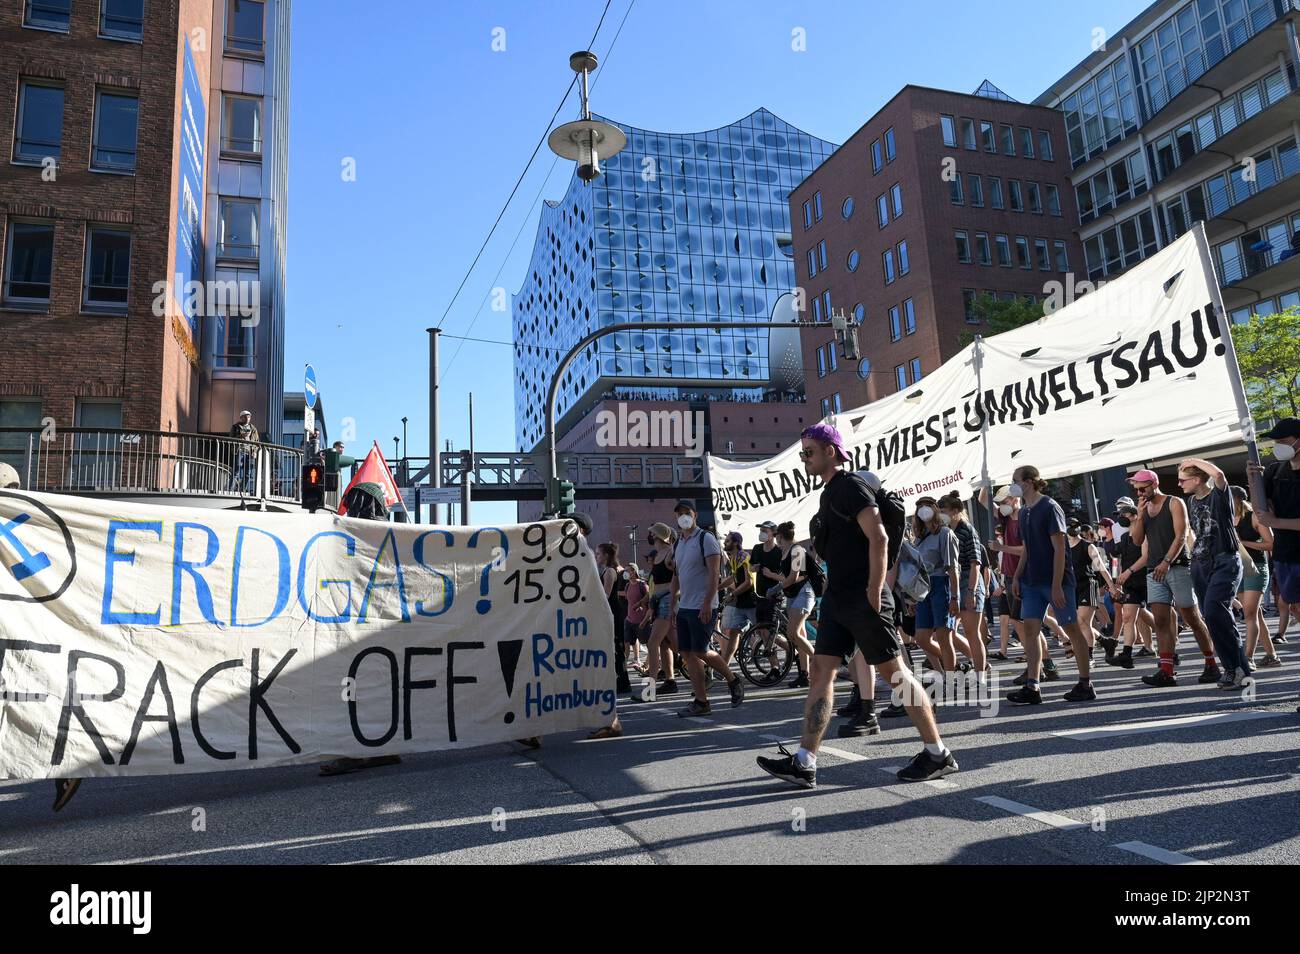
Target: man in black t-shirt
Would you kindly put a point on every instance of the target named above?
(857, 609)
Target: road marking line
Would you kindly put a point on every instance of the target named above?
(1051, 819)
(1158, 854)
(1164, 725)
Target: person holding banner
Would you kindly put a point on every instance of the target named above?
(857, 609)
(1043, 578)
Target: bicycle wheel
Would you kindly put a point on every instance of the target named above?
(765, 655)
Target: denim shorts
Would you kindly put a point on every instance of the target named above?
(803, 601)
(1034, 601)
(692, 635)
(660, 604)
(932, 612)
(734, 617)
(972, 602)
(1175, 589)
(1256, 582)
(1288, 581)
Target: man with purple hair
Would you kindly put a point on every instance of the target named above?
(857, 609)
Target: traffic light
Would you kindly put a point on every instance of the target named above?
(566, 497)
(313, 487)
(846, 334)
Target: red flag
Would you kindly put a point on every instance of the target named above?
(374, 470)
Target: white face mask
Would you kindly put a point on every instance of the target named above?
(1283, 452)
(685, 521)
(945, 519)
(925, 514)
(1015, 490)
(1005, 510)
(764, 536)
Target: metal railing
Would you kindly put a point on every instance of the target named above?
(116, 460)
(588, 470)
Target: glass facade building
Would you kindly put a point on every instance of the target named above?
(681, 227)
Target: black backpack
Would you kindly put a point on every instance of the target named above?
(816, 575)
(893, 514)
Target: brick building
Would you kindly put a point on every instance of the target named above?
(144, 140)
(938, 198)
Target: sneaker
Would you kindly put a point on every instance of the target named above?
(1241, 679)
(64, 789)
(1025, 696)
(1021, 679)
(1227, 681)
(1160, 679)
(1051, 675)
(787, 769)
(696, 708)
(1082, 692)
(852, 707)
(1000, 657)
(864, 723)
(1144, 652)
(926, 766)
(892, 711)
(737, 689)
(1269, 662)
(1211, 674)
(669, 687)
(1123, 660)
(799, 682)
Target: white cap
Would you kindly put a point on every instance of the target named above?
(872, 479)
(242, 413)
(9, 477)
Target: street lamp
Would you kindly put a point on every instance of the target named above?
(586, 140)
(403, 438)
(395, 454)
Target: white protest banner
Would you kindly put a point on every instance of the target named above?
(139, 640)
(1131, 371)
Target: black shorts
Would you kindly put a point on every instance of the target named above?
(849, 620)
(1132, 597)
(1085, 595)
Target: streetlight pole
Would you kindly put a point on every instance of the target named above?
(435, 473)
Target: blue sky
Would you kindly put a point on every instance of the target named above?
(439, 125)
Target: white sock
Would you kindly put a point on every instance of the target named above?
(805, 759)
(937, 749)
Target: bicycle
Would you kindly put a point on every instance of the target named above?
(763, 653)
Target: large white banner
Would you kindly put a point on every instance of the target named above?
(138, 640)
(1131, 371)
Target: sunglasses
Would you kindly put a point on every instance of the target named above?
(806, 453)
(1183, 480)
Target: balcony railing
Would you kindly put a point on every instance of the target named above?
(119, 461)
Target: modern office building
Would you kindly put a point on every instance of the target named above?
(939, 198)
(142, 213)
(681, 227)
(1189, 113)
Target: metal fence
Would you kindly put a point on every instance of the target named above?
(97, 460)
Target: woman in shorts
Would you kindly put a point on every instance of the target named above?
(1258, 541)
(659, 651)
(936, 615)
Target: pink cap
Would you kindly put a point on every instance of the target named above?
(1145, 477)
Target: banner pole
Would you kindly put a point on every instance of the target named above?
(1247, 421)
(978, 354)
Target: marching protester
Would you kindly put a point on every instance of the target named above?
(1279, 511)
(697, 560)
(614, 579)
(1128, 589)
(1257, 543)
(1216, 563)
(740, 607)
(936, 615)
(1089, 572)
(971, 560)
(1042, 579)
(1008, 545)
(799, 597)
(1160, 526)
(857, 608)
(659, 654)
(635, 599)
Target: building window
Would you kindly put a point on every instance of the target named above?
(1053, 199)
(983, 254)
(1003, 243)
(817, 205)
(895, 324)
(900, 377)
(1041, 253)
(245, 29)
(831, 353)
(859, 312)
(904, 264)
(235, 339)
(909, 317)
(846, 210)
(826, 407)
(821, 255)
(954, 190)
(896, 193)
(1035, 198)
(826, 303)
(888, 262)
(852, 263)
(1022, 252)
(995, 192)
(108, 269)
(1044, 145)
(116, 121)
(29, 258)
(1026, 142)
(968, 305)
(807, 216)
(1062, 257)
(243, 126)
(975, 187)
(988, 137)
(890, 149)
(821, 362)
(121, 19)
(48, 14)
(876, 161)
(882, 210)
(39, 130)
(18, 412)
(817, 308)
(812, 264)
(1013, 190)
(963, 245)
(240, 235)
(916, 370)
(1008, 140)
(968, 133)
(949, 127)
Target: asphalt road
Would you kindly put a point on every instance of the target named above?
(1141, 776)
